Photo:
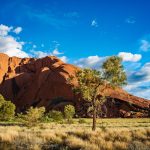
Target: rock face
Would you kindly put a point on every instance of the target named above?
(43, 82)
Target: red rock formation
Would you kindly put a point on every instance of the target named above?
(43, 82)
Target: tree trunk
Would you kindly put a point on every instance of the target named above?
(94, 114)
(94, 119)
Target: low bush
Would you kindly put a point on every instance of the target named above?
(82, 120)
(69, 112)
(55, 115)
(33, 116)
(7, 109)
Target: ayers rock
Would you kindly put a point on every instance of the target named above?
(43, 82)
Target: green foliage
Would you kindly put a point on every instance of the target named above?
(113, 71)
(88, 82)
(33, 116)
(69, 112)
(55, 115)
(7, 109)
(82, 120)
(46, 119)
(19, 117)
(2, 100)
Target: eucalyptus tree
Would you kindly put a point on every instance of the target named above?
(90, 82)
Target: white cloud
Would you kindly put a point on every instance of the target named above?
(9, 44)
(139, 90)
(90, 62)
(139, 82)
(141, 75)
(4, 30)
(17, 30)
(94, 23)
(145, 45)
(130, 57)
(56, 52)
(38, 54)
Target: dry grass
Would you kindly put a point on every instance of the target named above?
(112, 134)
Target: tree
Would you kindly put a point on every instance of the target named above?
(69, 112)
(7, 109)
(89, 82)
(113, 72)
(92, 82)
(33, 115)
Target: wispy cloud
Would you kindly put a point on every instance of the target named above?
(142, 75)
(38, 54)
(73, 14)
(56, 44)
(64, 59)
(34, 46)
(42, 45)
(139, 81)
(55, 19)
(130, 20)
(4, 30)
(55, 52)
(144, 45)
(17, 30)
(94, 23)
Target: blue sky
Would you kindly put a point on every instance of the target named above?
(82, 32)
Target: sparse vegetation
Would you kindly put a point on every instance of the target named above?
(7, 109)
(111, 134)
(119, 134)
(55, 115)
(69, 112)
(82, 120)
(33, 116)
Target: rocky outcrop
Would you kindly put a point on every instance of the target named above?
(43, 82)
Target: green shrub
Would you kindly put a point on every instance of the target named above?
(82, 120)
(46, 118)
(2, 100)
(7, 109)
(33, 116)
(69, 112)
(55, 115)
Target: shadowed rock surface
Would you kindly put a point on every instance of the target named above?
(43, 82)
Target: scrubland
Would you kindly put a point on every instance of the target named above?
(111, 134)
